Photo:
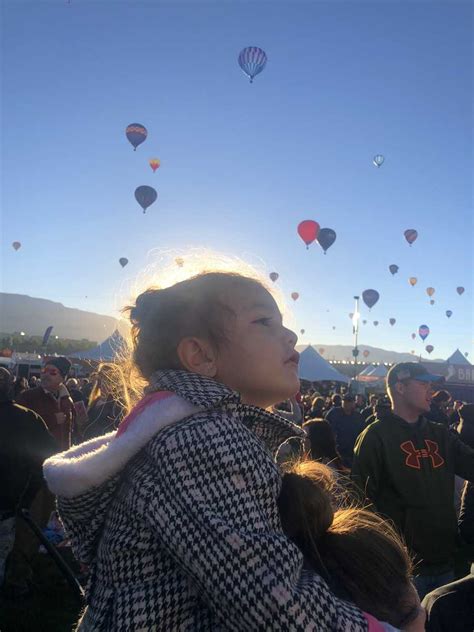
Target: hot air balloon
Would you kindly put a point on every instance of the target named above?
(274, 276)
(413, 281)
(466, 353)
(295, 296)
(430, 291)
(460, 290)
(302, 331)
(366, 353)
(308, 231)
(123, 261)
(179, 262)
(376, 322)
(326, 238)
(449, 313)
(252, 60)
(136, 134)
(392, 321)
(412, 351)
(424, 332)
(145, 196)
(410, 235)
(413, 336)
(370, 297)
(429, 348)
(321, 350)
(378, 160)
(393, 268)
(154, 164)
(432, 302)
(334, 327)
(364, 322)
(351, 315)
(16, 245)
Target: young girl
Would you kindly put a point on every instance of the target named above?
(176, 512)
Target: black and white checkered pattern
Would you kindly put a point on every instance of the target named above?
(188, 537)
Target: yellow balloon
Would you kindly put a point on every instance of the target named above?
(154, 164)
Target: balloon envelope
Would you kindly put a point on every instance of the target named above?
(410, 235)
(432, 302)
(366, 353)
(308, 231)
(145, 196)
(154, 164)
(295, 296)
(424, 332)
(430, 291)
(376, 322)
(378, 160)
(136, 134)
(364, 322)
(302, 331)
(252, 60)
(392, 321)
(393, 268)
(460, 290)
(413, 336)
(326, 238)
(370, 297)
(412, 281)
(429, 348)
(16, 245)
(449, 313)
(123, 261)
(274, 276)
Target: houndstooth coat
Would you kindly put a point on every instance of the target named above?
(177, 517)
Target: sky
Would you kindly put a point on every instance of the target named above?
(242, 164)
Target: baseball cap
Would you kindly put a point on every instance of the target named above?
(411, 371)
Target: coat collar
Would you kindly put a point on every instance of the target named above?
(207, 393)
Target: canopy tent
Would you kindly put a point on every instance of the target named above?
(314, 368)
(373, 373)
(458, 358)
(107, 351)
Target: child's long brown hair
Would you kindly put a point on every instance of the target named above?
(359, 553)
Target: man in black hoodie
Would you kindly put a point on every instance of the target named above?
(406, 464)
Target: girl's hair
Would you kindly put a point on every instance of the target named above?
(359, 553)
(200, 306)
(109, 378)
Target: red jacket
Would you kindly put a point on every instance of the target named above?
(46, 405)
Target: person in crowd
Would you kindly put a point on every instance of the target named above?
(359, 554)
(33, 381)
(359, 402)
(20, 385)
(52, 402)
(466, 424)
(405, 465)
(106, 408)
(317, 408)
(369, 410)
(209, 552)
(336, 401)
(87, 384)
(323, 444)
(347, 424)
(450, 607)
(75, 393)
(381, 407)
(438, 407)
(454, 414)
(24, 444)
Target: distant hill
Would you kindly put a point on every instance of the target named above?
(341, 353)
(33, 315)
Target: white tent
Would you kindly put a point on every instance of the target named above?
(314, 368)
(373, 373)
(458, 358)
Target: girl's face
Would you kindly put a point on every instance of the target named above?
(259, 360)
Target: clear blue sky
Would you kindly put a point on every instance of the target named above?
(243, 164)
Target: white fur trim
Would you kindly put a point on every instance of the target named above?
(91, 463)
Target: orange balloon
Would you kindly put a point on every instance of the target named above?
(413, 281)
(154, 164)
(430, 291)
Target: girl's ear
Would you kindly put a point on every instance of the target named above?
(197, 356)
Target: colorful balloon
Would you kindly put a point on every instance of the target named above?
(136, 134)
(295, 296)
(274, 276)
(16, 245)
(460, 290)
(326, 237)
(252, 60)
(366, 353)
(370, 297)
(154, 164)
(378, 160)
(410, 235)
(392, 321)
(308, 231)
(393, 268)
(430, 291)
(429, 348)
(145, 196)
(424, 332)
(376, 322)
(123, 261)
(449, 313)
(413, 281)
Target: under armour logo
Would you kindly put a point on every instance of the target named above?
(414, 455)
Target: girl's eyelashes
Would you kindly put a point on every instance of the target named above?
(262, 321)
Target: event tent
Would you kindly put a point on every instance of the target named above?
(373, 373)
(458, 358)
(314, 368)
(107, 351)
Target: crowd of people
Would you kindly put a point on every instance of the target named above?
(228, 495)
